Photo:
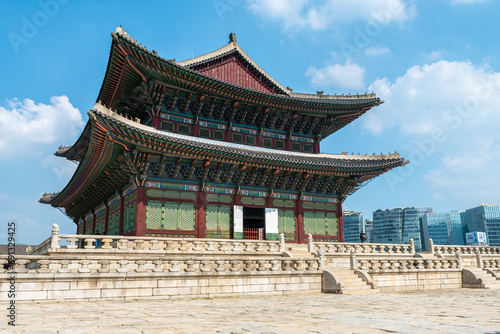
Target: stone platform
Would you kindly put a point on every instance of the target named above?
(90, 267)
(443, 311)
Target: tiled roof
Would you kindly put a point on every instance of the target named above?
(260, 153)
(368, 100)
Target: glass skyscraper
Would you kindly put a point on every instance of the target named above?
(444, 228)
(398, 226)
(369, 231)
(486, 218)
(353, 225)
(412, 226)
(388, 226)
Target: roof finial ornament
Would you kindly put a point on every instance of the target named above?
(232, 38)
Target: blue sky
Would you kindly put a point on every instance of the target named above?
(434, 63)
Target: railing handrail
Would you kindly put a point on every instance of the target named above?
(358, 243)
(466, 250)
(146, 238)
(44, 243)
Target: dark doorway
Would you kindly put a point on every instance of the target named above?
(254, 223)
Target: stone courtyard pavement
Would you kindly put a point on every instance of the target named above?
(453, 311)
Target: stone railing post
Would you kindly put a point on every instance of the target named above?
(54, 243)
(321, 254)
(72, 243)
(282, 242)
(310, 243)
(352, 259)
(431, 246)
(479, 259)
(412, 246)
(458, 255)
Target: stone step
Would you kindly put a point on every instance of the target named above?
(352, 283)
(488, 281)
(297, 254)
(358, 291)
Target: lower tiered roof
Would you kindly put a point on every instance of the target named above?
(113, 151)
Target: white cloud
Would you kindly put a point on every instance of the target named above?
(448, 113)
(467, 2)
(347, 76)
(377, 51)
(318, 15)
(30, 128)
(434, 96)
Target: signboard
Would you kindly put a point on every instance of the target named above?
(475, 237)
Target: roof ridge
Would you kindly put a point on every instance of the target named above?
(232, 46)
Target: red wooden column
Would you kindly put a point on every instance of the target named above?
(237, 199)
(258, 141)
(340, 220)
(316, 146)
(156, 122)
(299, 222)
(122, 210)
(195, 130)
(201, 216)
(140, 213)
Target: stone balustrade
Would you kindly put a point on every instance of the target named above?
(168, 245)
(335, 248)
(396, 265)
(182, 266)
(465, 250)
(491, 263)
(112, 244)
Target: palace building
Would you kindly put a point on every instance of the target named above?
(211, 147)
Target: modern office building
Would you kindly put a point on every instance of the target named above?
(388, 226)
(485, 218)
(399, 225)
(444, 228)
(369, 231)
(412, 226)
(353, 225)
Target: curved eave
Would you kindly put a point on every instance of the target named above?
(79, 149)
(131, 63)
(100, 152)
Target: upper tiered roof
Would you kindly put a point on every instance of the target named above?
(213, 78)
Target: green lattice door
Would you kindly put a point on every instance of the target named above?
(129, 215)
(218, 221)
(286, 223)
(170, 216)
(114, 223)
(320, 223)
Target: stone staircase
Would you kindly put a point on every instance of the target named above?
(353, 284)
(479, 278)
(298, 250)
(345, 282)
